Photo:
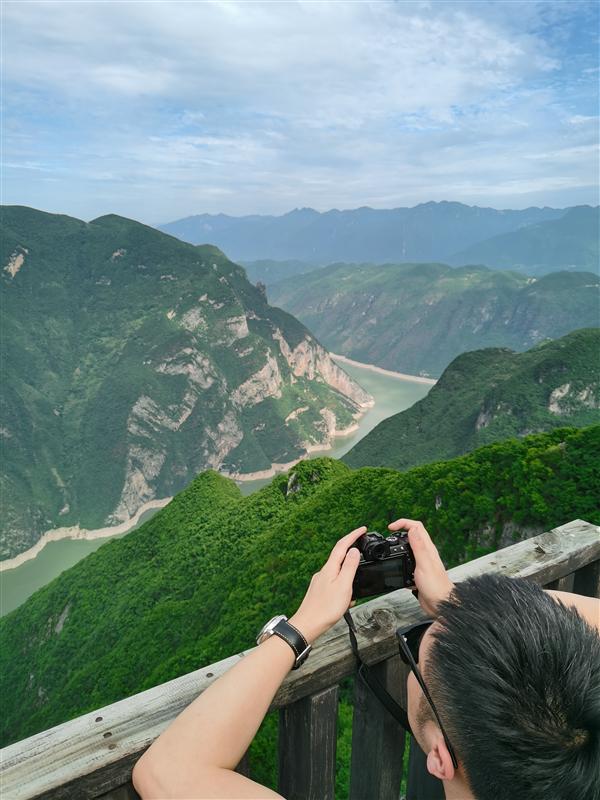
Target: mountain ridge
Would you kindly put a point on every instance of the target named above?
(433, 231)
(416, 318)
(490, 395)
(133, 360)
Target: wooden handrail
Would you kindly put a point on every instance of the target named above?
(77, 759)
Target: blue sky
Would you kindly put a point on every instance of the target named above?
(158, 110)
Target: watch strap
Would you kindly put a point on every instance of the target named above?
(290, 634)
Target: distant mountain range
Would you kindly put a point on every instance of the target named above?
(450, 232)
(490, 395)
(131, 361)
(416, 318)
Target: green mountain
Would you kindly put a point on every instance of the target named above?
(195, 583)
(489, 395)
(570, 242)
(268, 271)
(416, 318)
(132, 361)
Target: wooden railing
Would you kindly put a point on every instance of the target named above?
(92, 756)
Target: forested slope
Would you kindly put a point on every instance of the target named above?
(196, 582)
(416, 318)
(489, 395)
(131, 361)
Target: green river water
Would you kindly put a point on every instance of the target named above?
(391, 395)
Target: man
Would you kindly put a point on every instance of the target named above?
(513, 671)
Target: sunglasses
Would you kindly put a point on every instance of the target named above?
(409, 640)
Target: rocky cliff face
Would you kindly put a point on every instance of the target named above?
(136, 361)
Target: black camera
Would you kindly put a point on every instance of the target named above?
(386, 564)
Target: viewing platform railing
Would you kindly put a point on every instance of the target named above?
(92, 756)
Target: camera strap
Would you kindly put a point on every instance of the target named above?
(366, 674)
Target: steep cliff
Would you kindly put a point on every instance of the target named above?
(131, 362)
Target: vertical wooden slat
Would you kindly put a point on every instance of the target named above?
(564, 584)
(126, 792)
(587, 580)
(377, 739)
(307, 743)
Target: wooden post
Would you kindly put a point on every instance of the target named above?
(564, 584)
(126, 792)
(587, 580)
(377, 739)
(307, 742)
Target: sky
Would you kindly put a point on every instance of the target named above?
(160, 110)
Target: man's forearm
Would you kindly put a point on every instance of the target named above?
(217, 728)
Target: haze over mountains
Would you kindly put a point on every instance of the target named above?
(131, 362)
(450, 232)
(416, 318)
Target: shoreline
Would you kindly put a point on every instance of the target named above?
(382, 371)
(75, 532)
(277, 469)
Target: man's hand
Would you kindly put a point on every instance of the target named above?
(330, 591)
(431, 577)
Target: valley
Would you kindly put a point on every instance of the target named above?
(391, 395)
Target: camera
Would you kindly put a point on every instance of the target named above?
(386, 564)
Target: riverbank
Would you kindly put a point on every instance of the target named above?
(277, 469)
(340, 441)
(391, 395)
(75, 532)
(381, 371)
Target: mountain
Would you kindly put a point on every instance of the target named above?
(427, 232)
(131, 362)
(490, 395)
(570, 242)
(268, 271)
(416, 318)
(195, 583)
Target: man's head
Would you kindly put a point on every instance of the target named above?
(515, 677)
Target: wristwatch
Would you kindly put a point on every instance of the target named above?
(279, 626)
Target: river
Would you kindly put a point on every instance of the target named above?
(391, 394)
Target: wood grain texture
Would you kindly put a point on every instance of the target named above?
(77, 759)
(377, 739)
(307, 746)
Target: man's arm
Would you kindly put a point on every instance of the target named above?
(434, 584)
(197, 755)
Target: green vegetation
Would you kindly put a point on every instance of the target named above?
(195, 583)
(122, 350)
(416, 318)
(570, 242)
(489, 395)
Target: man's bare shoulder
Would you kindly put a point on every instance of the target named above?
(588, 607)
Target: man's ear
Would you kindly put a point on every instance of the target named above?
(439, 762)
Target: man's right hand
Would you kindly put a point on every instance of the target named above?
(431, 578)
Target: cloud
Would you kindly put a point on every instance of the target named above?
(256, 107)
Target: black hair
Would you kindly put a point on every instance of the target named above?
(516, 675)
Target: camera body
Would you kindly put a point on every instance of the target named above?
(386, 564)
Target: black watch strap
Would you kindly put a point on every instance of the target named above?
(286, 631)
